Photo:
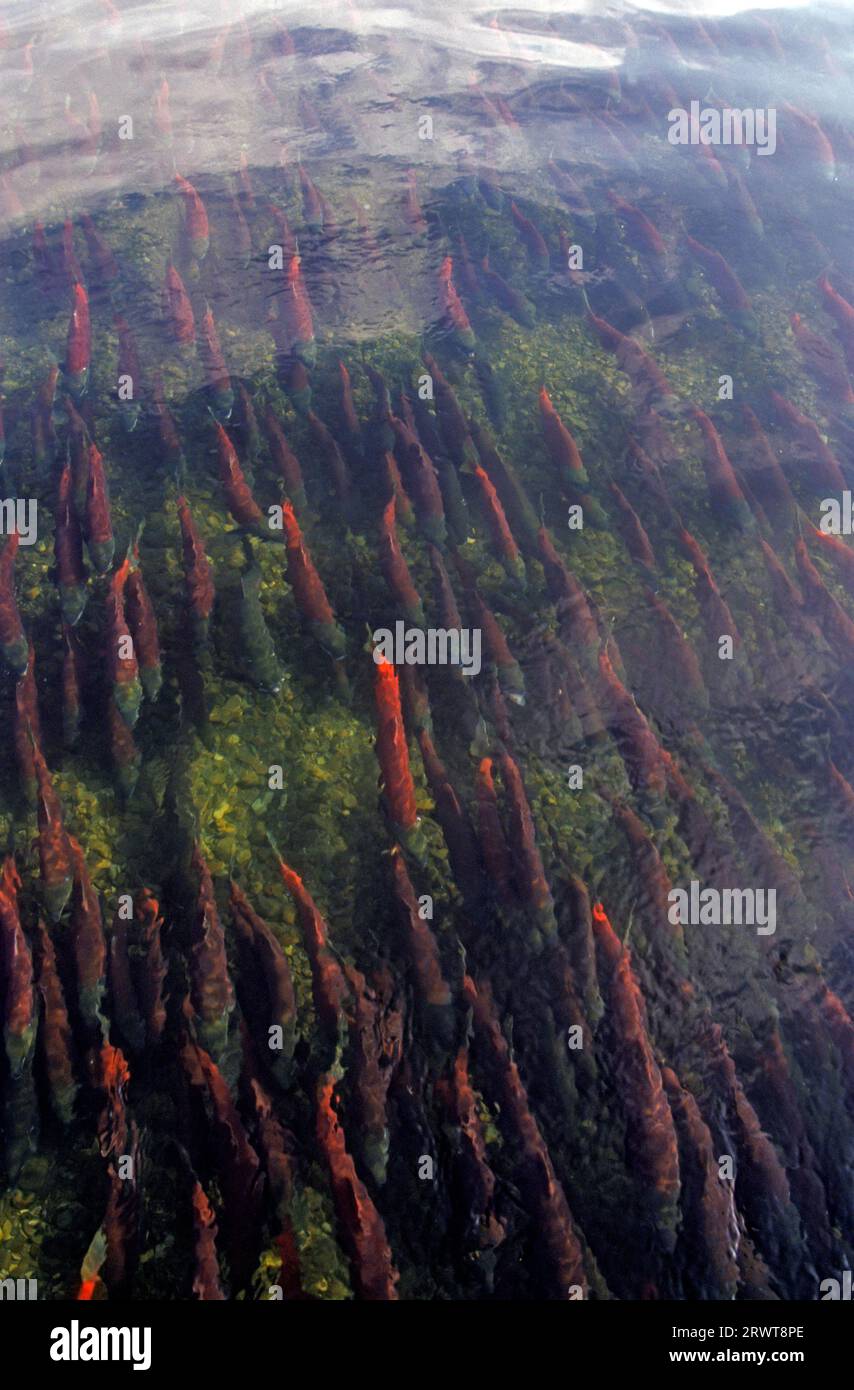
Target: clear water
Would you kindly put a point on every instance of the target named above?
(391, 139)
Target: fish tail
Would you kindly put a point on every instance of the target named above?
(131, 553)
(273, 846)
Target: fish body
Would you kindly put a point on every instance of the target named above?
(528, 870)
(78, 351)
(454, 431)
(330, 988)
(634, 534)
(287, 239)
(540, 1189)
(679, 655)
(823, 474)
(198, 573)
(532, 237)
(151, 967)
(835, 622)
(89, 945)
(238, 494)
(641, 369)
(840, 555)
(511, 300)
(393, 754)
(333, 458)
(348, 405)
(822, 362)
(743, 201)
(574, 614)
(457, 829)
(122, 661)
(178, 309)
(574, 197)
(361, 1225)
(514, 499)
(412, 209)
(445, 597)
(726, 496)
(103, 263)
(286, 461)
(14, 647)
(162, 113)
(762, 467)
(27, 729)
(843, 315)
(404, 511)
(216, 372)
(170, 440)
(19, 1012)
(499, 527)
(100, 541)
(804, 131)
(280, 1009)
(510, 676)
(68, 549)
(651, 1129)
(457, 519)
(312, 208)
(71, 268)
(723, 277)
(642, 233)
(493, 841)
(55, 1038)
(196, 226)
(78, 451)
(380, 426)
(433, 992)
(259, 651)
(421, 481)
(206, 1285)
(212, 992)
(396, 571)
(493, 395)
(129, 375)
(716, 613)
(309, 593)
(143, 626)
(454, 316)
(295, 327)
(72, 690)
(561, 445)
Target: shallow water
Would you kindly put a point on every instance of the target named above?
(496, 191)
